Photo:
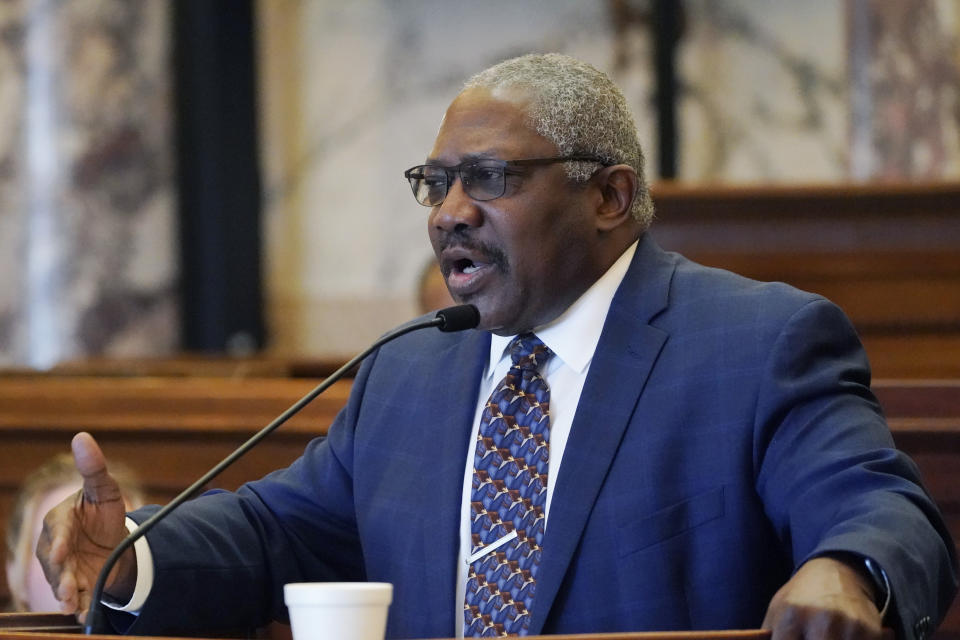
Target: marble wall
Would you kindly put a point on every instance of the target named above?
(352, 94)
(904, 89)
(771, 91)
(87, 225)
(762, 95)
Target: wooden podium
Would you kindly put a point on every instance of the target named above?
(51, 626)
(21, 625)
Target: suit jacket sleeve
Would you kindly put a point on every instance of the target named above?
(830, 477)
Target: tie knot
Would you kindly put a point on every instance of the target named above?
(528, 351)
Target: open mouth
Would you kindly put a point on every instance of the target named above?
(465, 266)
(466, 275)
(469, 267)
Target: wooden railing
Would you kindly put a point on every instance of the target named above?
(887, 254)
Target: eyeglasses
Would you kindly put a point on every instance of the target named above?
(481, 179)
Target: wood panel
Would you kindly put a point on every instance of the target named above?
(893, 292)
(193, 365)
(888, 254)
(891, 214)
(916, 355)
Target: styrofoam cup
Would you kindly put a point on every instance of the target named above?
(338, 610)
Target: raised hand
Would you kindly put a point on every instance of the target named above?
(80, 532)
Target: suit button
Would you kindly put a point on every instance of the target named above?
(922, 628)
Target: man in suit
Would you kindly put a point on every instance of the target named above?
(716, 459)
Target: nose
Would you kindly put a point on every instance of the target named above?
(457, 212)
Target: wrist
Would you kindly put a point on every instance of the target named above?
(122, 583)
(872, 578)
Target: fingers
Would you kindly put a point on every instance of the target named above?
(74, 590)
(58, 567)
(70, 586)
(98, 485)
(66, 592)
(82, 605)
(54, 542)
(803, 622)
(74, 597)
(823, 599)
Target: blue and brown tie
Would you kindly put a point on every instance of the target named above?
(509, 496)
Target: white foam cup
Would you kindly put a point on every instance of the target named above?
(338, 610)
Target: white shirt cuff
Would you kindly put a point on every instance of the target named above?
(144, 583)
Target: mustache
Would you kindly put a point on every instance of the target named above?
(490, 253)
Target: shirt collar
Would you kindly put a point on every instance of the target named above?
(574, 335)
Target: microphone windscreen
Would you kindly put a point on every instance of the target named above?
(458, 318)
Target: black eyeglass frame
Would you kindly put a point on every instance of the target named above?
(451, 173)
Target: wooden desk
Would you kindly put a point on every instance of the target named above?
(49, 627)
(24, 626)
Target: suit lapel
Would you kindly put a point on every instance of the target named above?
(458, 380)
(627, 350)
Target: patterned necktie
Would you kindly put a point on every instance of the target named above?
(508, 497)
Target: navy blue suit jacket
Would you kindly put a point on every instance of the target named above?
(725, 434)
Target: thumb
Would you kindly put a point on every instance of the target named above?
(98, 485)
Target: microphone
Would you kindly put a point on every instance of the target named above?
(457, 318)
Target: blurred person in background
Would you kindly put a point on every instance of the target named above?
(432, 293)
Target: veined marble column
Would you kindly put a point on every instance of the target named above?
(88, 260)
(904, 68)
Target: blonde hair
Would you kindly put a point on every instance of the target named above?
(56, 472)
(578, 108)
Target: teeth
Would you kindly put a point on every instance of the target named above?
(472, 268)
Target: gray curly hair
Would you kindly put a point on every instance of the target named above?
(579, 109)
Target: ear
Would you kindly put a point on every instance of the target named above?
(617, 187)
